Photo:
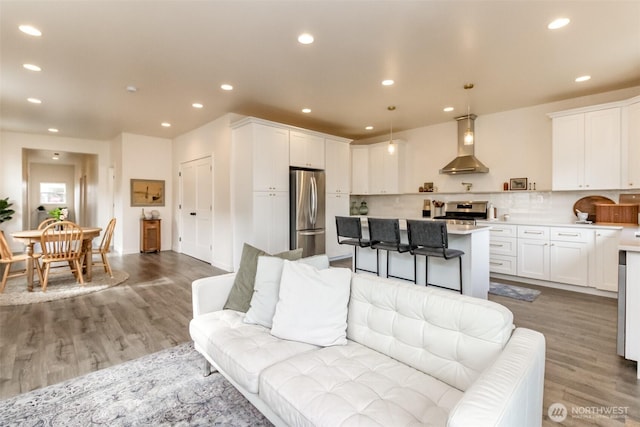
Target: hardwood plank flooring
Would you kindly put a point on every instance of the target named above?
(47, 343)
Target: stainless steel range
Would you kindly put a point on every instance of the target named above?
(464, 212)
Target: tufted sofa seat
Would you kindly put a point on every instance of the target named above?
(414, 356)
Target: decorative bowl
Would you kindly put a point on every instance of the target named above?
(147, 215)
(155, 214)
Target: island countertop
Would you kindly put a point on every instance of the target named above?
(459, 229)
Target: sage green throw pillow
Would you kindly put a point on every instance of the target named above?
(240, 296)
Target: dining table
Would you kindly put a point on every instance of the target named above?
(30, 237)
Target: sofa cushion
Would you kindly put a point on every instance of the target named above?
(354, 385)
(449, 336)
(241, 350)
(242, 290)
(312, 306)
(267, 287)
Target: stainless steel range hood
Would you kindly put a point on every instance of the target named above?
(466, 162)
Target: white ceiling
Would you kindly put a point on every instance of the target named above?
(179, 52)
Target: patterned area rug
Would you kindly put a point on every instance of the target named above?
(162, 389)
(59, 287)
(511, 291)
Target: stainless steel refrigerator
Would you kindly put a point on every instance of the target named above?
(306, 189)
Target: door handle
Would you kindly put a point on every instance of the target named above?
(192, 213)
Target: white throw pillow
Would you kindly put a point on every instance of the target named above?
(267, 287)
(313, 305)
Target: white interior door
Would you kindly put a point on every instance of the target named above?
(196, 213)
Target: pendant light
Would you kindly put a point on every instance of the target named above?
(468, 134)
(391, 148)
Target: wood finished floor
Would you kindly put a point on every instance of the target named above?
(47, 343)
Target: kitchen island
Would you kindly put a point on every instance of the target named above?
(472, 240)
(629, 297)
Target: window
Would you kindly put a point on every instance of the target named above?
(53, 192)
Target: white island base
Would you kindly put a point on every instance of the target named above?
(472, 240)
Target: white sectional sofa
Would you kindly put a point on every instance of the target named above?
(413, 356)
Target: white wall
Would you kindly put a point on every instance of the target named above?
(141, 157)
(13, 186)
(513, 144)
(212, 139)
(38, 173)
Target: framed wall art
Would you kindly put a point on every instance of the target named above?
(147, 192)
(518, 184)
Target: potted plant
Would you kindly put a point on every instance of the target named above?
(5, 212)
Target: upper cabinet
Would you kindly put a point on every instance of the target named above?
(586, 149)
(631, 143)
(360, 169)
(306, 150)
(338, 166)
(385, 168)
(270, 152)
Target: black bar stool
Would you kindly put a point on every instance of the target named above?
(385, 234)
(350, 228)
(430, 238)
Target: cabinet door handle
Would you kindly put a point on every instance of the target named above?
(192, 213)
(495, 263)
(496, 245)
(533, 232)
(569, 234)
(497, 230)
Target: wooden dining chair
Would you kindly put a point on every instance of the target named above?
(46, 222)
(60, 246)
(8, 259)
(103, 249)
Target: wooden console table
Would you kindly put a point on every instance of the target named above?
(150, 238)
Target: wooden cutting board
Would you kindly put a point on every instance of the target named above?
(630, 198)
(588, 205)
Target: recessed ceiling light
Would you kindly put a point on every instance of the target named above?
(32, 67)
(447, 109)
(226, 87)
(368, 128)
(131, 89)
(197, 105)
(306, 110)
(53, 130)
(165, 124)
(583, 78)
(34, 100)
(31, 30)
(558, 23)
(387, 82)
(305, 38)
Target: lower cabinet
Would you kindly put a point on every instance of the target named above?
(271, 221)
(150, 237)
(570, 255)
(335, 205)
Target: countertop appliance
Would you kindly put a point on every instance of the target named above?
(464, 212)
(306, 211)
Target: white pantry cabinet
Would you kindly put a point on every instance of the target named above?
(270, 153)
(306, 150)
(337, 166)
(359, 169)
(586, 149)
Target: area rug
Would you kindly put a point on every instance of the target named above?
(515, 292)
(162, 389)
(59, 287)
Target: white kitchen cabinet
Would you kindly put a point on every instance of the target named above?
(385, 168)
(503, 248)
(336, 204)
(360, 169)
(533, 258)
(270, 158)
(337, 170)
(306, 150)
(606, 260)
(632, 139)
(586, 150)
(271, 221)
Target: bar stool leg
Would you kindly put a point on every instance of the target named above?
(415, 269)
(426, 271)
(355, 258)
(378, 262)
(388, 264)
(460, 267)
